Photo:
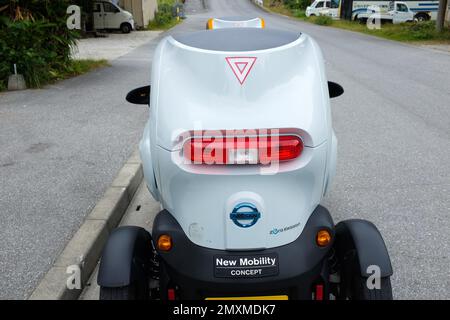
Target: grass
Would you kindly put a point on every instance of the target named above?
(75, 68)
(405, 32)
(423, 32)
(78, 67)
(154, 26)
(280, 9)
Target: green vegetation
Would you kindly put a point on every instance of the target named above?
(34, 35)
(164, 17)
(424, 32)
(406, 32)
(323, 21)
(76, 68)
(294, 8)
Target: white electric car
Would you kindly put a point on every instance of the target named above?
(240, 157)
(235, 22)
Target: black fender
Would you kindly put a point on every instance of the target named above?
(126, 257)
(364, 238)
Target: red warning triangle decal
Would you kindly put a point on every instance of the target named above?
(241, 66)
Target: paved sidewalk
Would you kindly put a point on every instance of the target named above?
(61, 148)
(113, 46)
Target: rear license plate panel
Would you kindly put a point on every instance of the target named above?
(246, 266)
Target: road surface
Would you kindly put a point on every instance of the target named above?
(62, 146)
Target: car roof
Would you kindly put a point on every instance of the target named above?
(236, 18)
(238, 39)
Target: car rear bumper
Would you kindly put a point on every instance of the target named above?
(192, 269)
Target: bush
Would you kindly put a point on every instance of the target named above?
(299, 13)
(38, 42)
(418, 31)
(164, 14)
(422, 30)
(323, 20)
(296, 4)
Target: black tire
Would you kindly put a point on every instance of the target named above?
(121, 293)
(360, 291)
(353, 285)
(362, 20)
(420, 17)
(125, 28)
(138, 291)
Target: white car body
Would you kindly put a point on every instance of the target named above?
(398, 12)
(107, 15)
(235, 22)
(423, 10)
(286, 89)
(323, 8)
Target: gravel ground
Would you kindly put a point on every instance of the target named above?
(440, 47)
(113, 46)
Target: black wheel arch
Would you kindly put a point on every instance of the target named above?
(126, 257)
(363, 237)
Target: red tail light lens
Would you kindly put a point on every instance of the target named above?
(242, 150)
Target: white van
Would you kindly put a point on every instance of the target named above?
(107, 15)
(323, 8)
(397, 12)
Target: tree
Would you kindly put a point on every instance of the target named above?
(441, 15)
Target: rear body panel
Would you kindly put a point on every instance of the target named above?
(193, 269)
(236, 22)
(197, 88)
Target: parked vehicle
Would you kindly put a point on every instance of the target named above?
(240, 159)
(423, 10)
(108, 16)
(398, 12)
(323, 8)
(235, 22)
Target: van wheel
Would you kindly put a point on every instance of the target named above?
(421, 17)
(125, 28)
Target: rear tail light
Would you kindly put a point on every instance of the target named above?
(242, 150)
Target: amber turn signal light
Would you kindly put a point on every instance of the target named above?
(263, 23)
(210, 24)
(323, 238)
(164, 242)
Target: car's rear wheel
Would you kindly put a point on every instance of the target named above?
(354, 286)
(360, 290)
(121, 293)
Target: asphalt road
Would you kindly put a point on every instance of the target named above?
(61, 147)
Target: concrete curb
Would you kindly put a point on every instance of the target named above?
(84, 249)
